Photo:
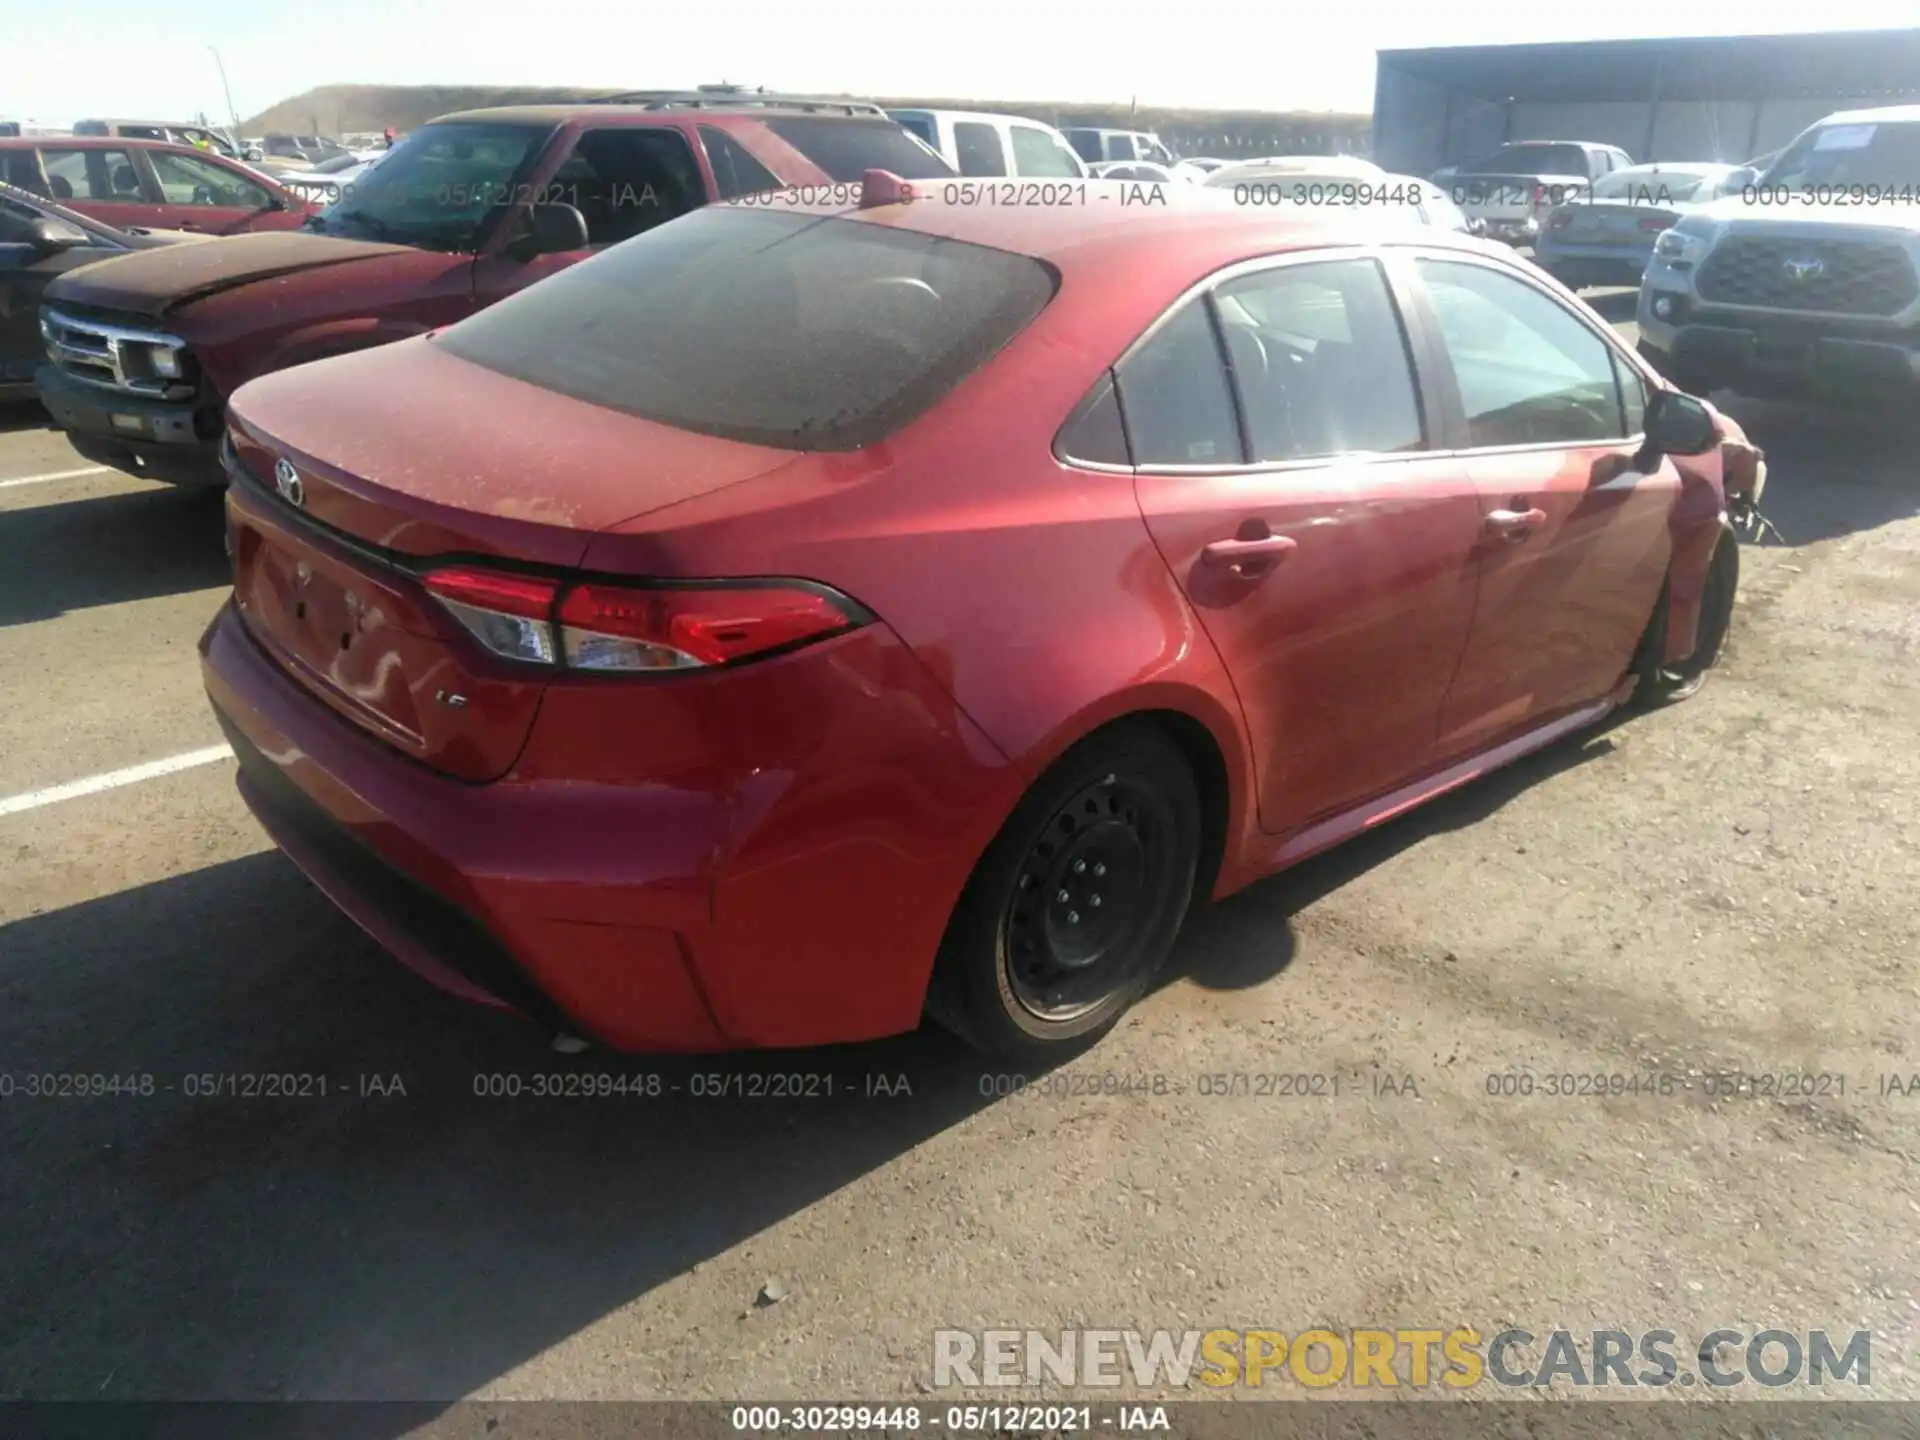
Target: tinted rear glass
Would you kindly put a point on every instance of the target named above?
(1530, 160)
(796, 331)
(847, 149)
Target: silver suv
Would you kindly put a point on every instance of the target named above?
(1805, 281)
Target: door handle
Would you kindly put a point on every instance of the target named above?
(1514, 525)
(1249, 557)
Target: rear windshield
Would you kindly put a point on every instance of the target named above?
(1530, 160)
(795, 331)
(847, 149)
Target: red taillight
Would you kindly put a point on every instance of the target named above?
(510, 614)
(525, 595)
(606, 627)
(1539, 195)
(1658, 222)
(627, 628)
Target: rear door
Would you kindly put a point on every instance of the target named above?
(1286, 473)
(105, 183)
(622, 179)
(1575, 540)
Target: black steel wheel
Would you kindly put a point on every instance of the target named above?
(1073, 908)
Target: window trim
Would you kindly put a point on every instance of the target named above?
(1448, 387)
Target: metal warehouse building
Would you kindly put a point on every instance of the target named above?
(1696, 98)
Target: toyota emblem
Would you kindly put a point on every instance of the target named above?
(286, 480)
(1805, 267)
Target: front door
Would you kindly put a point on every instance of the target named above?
(1279, 443)
(623, 180)
(1575, 540)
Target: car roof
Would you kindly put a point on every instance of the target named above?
(1885, 115)
(987, 116)
(94, 142)
(1196, 229)
(638, 114)
(1672, 167)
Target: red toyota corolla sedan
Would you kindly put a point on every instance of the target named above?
(796, 620)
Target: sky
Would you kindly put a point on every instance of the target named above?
(70, 59)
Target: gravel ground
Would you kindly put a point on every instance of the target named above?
(1725, 885)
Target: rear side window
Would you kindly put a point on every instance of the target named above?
(1320, 361)
(978, 147)
(92, 175)
(735, 172)
(1120, 147)
(1086, 144)
(1174, 395)
(846, 148)
(795, 331)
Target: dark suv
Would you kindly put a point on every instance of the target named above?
(461, 213)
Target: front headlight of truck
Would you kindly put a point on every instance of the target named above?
(1686, 244)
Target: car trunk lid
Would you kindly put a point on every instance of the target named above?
(345, 500)
(1602, 223)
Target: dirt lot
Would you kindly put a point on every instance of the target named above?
(1726, 885)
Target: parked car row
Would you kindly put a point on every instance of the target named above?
(155, 184)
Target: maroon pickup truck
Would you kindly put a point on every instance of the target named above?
(142, 351)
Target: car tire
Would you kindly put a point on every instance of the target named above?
(1670, 684)
(1114, 827)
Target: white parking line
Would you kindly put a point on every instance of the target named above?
(113, 779)
(55, 475)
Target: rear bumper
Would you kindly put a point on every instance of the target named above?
(174, 442)
(1579, 265)
(786, 910)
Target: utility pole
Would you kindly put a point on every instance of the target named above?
(227, 90)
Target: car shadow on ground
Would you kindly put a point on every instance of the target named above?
(19, 415)
(1832, 472)
(1248, 938)
(108, 549)
(365, 1242)
(405, 1235)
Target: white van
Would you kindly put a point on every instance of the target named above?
(977, 143)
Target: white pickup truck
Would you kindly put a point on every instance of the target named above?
(1511, 190)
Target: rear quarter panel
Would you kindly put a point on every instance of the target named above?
(1030, 590)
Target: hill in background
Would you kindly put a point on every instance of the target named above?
(363, 109)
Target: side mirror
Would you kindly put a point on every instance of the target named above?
(49, 236)
(1740, 179)
(554, 230)
(1679, 424)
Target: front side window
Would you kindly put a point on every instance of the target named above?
(1175, 398)
(1320, 361)
(1120, 147)
(1035, 152)
(189, 180)
(100, 175)
(978, 146)
(1529, 370)
(439, 186)
(802, 332)
(627, 180)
